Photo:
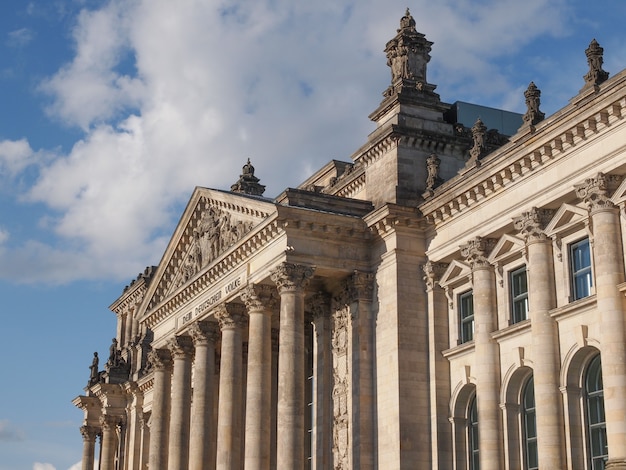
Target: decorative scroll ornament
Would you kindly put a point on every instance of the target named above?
(596, 75)
(533, 115)
(594, 192)
(531, 224)
(433, 272)
(289, 276)
(476, 251)
(203, 332)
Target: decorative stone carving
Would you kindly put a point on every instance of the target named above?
(432, 180)
(341, 375)
(203, 332)
(318, 305)
(478, 150)
(362, 285)
(533, 115)
(94, 374)
(89, 433)
(230, 316)
(595, 192)
(110, 422)
(289, 276)
(433, 272)
(160, 359)
(180, 346)
(476, 251)
(596, 75)
(248, 183)
(115, 354)
(532, 223)
(259, 297)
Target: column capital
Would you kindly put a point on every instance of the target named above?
(181, 347)
(291, 277)
(160, 359)
(531, 224)
(362, 285)
(259, 297)
(318, 305)
(595, 191)
(477, 250)
(203, 332)
(89, 433)
(433, 272)
(230, 316)
(109, 422)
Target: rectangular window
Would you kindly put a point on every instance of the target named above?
(518, 282)
(580, 265)
(466, 317)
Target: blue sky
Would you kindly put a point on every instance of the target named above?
(113, 111)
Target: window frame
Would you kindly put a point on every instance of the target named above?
(528, 416)
(596, 461)
(463, 318)
(585, 272)
(516, 298)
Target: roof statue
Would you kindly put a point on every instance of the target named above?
(533, 114)
(596, 75)
(407, 55)
(248, 183)
(479, 148)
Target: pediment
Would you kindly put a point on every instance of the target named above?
(508, 246)
(566, 216)
(457, 270)
(213, 222)
(619, 195)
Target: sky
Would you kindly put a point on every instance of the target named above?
(111, 112)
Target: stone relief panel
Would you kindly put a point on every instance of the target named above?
(341, 380)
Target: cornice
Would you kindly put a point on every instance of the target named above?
(391, 218)
(526, 153)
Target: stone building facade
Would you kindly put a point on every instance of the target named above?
(451, 298)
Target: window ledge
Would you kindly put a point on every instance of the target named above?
(458, 350)
(573, 308)
(512, 330)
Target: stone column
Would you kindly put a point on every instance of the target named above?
(439, 367)
(89, 434)
(161, 362)
(362, 287)
(128, 328)
(545, 339)
(274, 424)
(231, 318)
(135, 414)
(259, 300)
(486, 353)
(108, 424)
(204, 335)
(181, 348)
(323, 372)
(291, 279)
(609, 273)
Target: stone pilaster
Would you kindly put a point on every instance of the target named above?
(546, 358)
(109, 425)
(486, 353)
(363, 395)
(291, 280)
(161, 362)
(89, 434)
(181, 348)
(204, 335)
(609, 273)
(135, 415)
(231, 318)
(439, 367)
(319, 306)
(259, 300)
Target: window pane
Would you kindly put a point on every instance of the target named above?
(580, 254)
(519, 294)
(596, 425)
(466, 317)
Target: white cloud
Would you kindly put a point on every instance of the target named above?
(20, 37)
(43, 466)
(9, 432)
(172, 95)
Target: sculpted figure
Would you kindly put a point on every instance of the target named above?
(93, 370)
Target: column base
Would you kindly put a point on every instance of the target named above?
(616, 464)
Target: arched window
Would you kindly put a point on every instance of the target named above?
(472, 436)
(596, 424)
(529, 424)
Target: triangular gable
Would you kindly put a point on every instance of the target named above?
(507, 246)
(619, 195)
(212, 222)
(566, 217)
(457, 270)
